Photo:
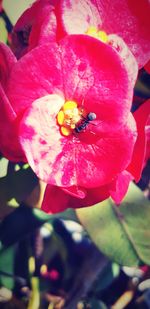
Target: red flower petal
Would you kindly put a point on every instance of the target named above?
(75, 191)
(128, 19)
(75, 17)
(147, 155)
(126, 55)
(35, 75)
(57, 200)
(80, 68)
(44, 29)
(120, 186)
(35, 26)
(141, 116)
(9, 144)
(7, 60)
(68, 161)
(147, 67)
(94, 71)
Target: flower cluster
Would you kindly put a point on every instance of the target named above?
(66, 91)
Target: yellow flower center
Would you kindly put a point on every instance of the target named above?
(69, 115)
(101, 35)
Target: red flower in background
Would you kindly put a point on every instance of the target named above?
(128, 19)
(51, 91)
(50, 20)
(147, 130)
(36, 26)
(147, 67)
(1, 8)
(9, 143)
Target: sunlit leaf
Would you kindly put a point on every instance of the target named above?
(3, 31)
(3, 167)
(122, 233)
(68, 214)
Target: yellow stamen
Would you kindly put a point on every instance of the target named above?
(69, 105)
(65, 131)
(69, 115)
(92, 31)
(101, 35)
(60, 117)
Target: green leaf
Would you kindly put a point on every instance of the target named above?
(3, 30)
(122, 233)
(7, 265)
(68, 214)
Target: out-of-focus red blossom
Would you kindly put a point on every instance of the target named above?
(141, 116)
(147, 129)
(1, 5)
(127, 18)
(9, 143)
(147, 67)
(37, 25)
(147, 157)
(49, 20)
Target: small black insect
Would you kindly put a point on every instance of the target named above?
(83, 124)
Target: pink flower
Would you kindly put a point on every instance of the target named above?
(51, 92)
(52, 20)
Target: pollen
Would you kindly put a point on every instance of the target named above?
(69, 105)
(94, 32)
(102, 36)
(60, 117)
(67, 118)
(65, 131)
